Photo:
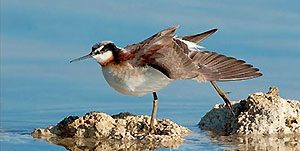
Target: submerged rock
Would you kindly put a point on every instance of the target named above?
(105, 132)
(261, 114)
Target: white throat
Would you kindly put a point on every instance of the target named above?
(103, 57)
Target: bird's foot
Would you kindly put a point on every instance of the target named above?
(223, 96)
(229, 108)
(152, 130)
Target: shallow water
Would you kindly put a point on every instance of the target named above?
(39, 87)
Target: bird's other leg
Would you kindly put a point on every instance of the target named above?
(153, 115)
(222, 94)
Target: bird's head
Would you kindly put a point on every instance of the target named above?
(103, 52)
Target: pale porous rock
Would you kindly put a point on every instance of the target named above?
(264, 121)
(105, 132)
(261, 114)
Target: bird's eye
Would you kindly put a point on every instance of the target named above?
(98, 50)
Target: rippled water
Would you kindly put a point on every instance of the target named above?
(39, 87)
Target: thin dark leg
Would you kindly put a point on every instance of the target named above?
(222, 94)
(153, 115)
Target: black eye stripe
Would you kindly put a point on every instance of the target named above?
(97, 51)
(100, 48)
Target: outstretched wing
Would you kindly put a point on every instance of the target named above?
(217, 67)
(173, 57)
(162, 52)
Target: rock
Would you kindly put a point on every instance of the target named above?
(261, 114)
(105, 132)
(122, 115)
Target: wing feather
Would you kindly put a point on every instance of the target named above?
(221, 68)
(173, 58)
(199, 37)
(164, 53)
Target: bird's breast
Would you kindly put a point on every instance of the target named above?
(130, 80)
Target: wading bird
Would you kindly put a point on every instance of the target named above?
(150, 65)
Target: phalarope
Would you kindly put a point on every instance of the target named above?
(152, 64)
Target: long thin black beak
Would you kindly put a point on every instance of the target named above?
(82, 58)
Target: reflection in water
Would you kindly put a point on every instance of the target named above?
(288, 142)
(280, 143)
(75, 144)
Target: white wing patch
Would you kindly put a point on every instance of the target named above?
(191, 45)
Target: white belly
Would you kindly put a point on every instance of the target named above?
(134, 81)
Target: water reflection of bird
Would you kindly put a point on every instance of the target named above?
(150, 65)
